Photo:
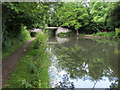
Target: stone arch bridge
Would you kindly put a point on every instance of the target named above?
(56, 30)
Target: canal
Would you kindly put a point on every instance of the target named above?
(83, 63)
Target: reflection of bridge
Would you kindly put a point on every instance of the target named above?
(58, 40)
(51, 27)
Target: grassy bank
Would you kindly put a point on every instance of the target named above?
(32, 70)
(113, 34)
(106, 34)
(11, 43)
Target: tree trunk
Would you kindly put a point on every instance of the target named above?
(77, 33)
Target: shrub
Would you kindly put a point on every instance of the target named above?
(117, 32)
(11, 43)
(41, 39)
(24, 34)
(40, 61)
(106, 34)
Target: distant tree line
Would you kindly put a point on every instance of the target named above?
(88, 17)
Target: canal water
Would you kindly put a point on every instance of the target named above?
(83, 63)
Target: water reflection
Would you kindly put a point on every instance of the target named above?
(65, 83)
(62, 40)
(85, 63)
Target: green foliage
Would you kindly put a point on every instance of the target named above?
(11, 43)
(87, 18)
(24, 34)
(100, 12)
(117, 32)
(29, 14)
(114, 17)
(25, 84)
(106, 34)
(41, 39)
(17, 17)
(32, 71)
(73, 14)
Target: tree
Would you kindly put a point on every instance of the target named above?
(100, 12)
(15, 15)
(72, 15)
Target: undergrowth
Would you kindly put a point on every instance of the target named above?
(113, 34)
(106, 34)
(11, 43)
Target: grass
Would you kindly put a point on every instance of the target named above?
(15, 46)
(20, 74)
(32, 70)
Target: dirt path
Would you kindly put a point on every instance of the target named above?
(9, 64)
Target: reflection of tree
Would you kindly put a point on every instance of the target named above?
(89, 58)
(65, 83)
(114, 85)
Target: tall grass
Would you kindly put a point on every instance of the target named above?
(32, 71)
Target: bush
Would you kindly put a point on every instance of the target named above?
(40, 61)
(11, 42)
(10, 45)
(117, 32)
(107, 34)
(24, 34)
(41, 39)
